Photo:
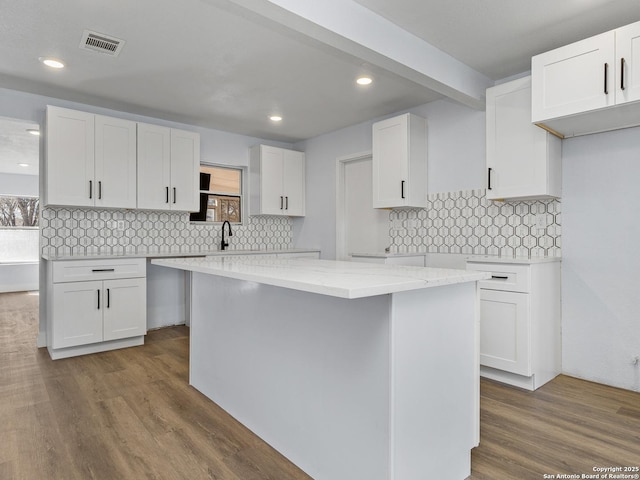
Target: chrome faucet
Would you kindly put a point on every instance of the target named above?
(224, 244)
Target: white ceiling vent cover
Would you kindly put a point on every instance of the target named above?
(99, 42)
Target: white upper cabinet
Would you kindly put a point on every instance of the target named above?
(276, 181)
(628, 51)
(574, 78)
(115, 162)
(589, 86)
(523, 161)
(399, 154)
(90, 160)
(168, 168)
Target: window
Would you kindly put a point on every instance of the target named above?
(19, 211)
(221, 190)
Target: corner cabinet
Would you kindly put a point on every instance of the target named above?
(589, 86)
(399, 154)
(523, 161)
(276, 181)
(520, 321)
(90, 160)
(95, 305)
(168, 168)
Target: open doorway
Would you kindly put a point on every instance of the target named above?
(360, 228)
(19, 205)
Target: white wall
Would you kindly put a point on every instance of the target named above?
(18, 185)
(601, 257)
(456, 145)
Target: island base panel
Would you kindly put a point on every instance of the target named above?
(324, 380)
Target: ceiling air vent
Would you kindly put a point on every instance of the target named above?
(99, 42)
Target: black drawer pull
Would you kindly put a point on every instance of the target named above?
(103, 270)
(98, 299)
(108, 298)
(499, 277)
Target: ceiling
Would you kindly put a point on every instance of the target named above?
(220, 64)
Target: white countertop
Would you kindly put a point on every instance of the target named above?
(524, 260)
(326, 277)
(388, 254)
(204, 253)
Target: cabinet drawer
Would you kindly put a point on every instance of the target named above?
(86, 270)
(504, 276)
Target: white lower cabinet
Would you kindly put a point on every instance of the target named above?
(520, 322)
(95, 305)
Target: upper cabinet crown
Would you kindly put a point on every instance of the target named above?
(168, 168)
(276, 181)
(589, 86)
(90, 160)
(523, 161)
(98, 161)
(399, 154)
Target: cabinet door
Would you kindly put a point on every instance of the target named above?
(505, 331)
(154, 167)
(76, 313)
(293, 183)
(628, 63)
(185, 171)
(271, 181)
(125, 308)
(519, 154)
(115, 162)
(69, 157)
(575, 78)
(390, 162)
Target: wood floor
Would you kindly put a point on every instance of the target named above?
(130, 414)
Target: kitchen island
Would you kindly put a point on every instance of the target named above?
(350, 370)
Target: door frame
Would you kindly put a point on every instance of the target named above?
(341, 231)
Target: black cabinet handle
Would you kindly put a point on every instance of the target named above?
(99, 189)
(174, 194)
(606, 77)
(108, 298)
(499, 277)
(166, 195)
(281, 203)
(622, 64)
(286, 199)
(402, 189)
(103, 270)
(90, 189)
(489, 178)
(98, 299)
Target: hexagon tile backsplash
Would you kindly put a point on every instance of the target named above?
(78, 231)
(466, 222)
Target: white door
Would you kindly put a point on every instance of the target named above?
(77, 313)
(185, 171)
(390, 162)
(628, 64)
(115, 162)
(366, 228)
(154, 166)
(505, 331)
(575, 78)
(293, 182)
(124, 308)
(271, 178)
(70, 157)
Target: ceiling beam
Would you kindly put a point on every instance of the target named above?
(357, 31)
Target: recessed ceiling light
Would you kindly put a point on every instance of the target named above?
(364, 80)
(51, 62)
(275, 118)
(23, 164)
(33, 131)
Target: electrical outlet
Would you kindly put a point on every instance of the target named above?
(120, 226)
